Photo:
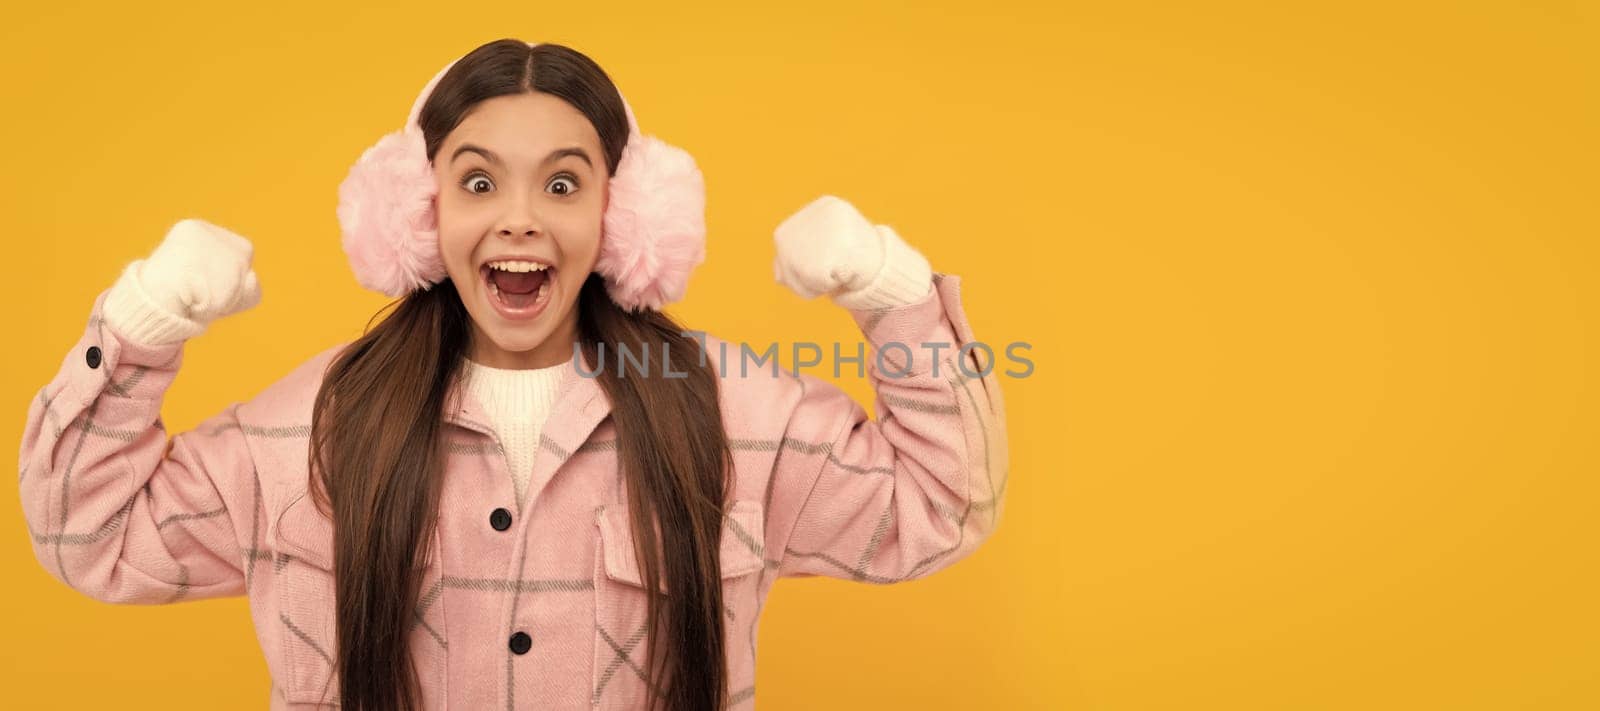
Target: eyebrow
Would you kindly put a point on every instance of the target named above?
(489, 155)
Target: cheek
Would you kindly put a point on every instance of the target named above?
(457, 236)
(583, 244)
(581, 248)
(455, 251)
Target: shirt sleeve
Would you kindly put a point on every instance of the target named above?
(920, 487)
(114, 508)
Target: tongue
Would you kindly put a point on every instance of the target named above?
(516, 282)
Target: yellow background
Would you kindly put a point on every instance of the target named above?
(1310, 292)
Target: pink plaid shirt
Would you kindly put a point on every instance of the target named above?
(544, 609)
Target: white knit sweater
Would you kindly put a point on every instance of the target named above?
(517, 402)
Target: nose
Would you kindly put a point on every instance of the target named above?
(519, 220)
(520, 227)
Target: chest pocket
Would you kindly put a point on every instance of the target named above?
(740, 547)
(307, 652)
(619, 646)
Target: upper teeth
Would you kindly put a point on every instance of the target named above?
(518, 266)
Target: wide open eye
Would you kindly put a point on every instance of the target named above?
(567, 180)
(475, 179)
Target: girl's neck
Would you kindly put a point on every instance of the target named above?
(555, 350)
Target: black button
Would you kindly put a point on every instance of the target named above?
(93, 356)
(521, 643)
(500, 519)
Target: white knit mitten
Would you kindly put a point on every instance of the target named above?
(199, 273)
(828, 247)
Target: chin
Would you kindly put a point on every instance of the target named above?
(519, 340)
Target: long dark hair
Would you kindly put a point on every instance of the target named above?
(377, 454)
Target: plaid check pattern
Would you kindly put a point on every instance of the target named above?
(122, 513)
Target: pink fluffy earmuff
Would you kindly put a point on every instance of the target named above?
(653, 229)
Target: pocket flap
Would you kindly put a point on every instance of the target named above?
(741, 548)
(306, 532)
(308, 535)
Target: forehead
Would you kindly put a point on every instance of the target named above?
(523, 128)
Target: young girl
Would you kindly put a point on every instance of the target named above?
(468, 506)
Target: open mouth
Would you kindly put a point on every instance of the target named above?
(518, 289)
